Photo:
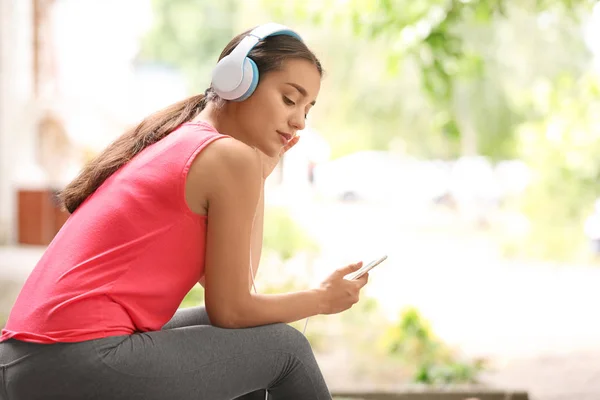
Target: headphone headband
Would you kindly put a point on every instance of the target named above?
(272, 28)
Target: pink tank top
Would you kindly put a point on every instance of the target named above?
(126, 258)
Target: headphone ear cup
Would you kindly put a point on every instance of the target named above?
(249, 80)
(226, 77)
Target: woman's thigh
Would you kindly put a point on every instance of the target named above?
(193, 362)
(205, 362)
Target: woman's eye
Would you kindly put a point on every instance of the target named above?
(287, 101)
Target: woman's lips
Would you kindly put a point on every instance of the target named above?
(285, 137)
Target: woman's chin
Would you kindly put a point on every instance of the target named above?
(271, 151)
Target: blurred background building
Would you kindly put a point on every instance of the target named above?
(19, 67)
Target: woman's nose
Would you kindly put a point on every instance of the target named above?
(298, 122)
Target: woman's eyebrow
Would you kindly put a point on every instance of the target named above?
(300, 89)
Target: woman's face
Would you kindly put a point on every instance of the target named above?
(278, 107)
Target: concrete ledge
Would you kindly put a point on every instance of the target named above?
(432, 394)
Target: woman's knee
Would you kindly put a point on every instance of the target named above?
(290, 339)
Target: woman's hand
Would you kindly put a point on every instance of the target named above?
(339, 294)
(269, 163)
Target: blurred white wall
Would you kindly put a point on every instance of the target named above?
(16, 112)
(95, 44)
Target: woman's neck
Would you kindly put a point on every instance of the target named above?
(223, 120)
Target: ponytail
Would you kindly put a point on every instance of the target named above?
(121, 151)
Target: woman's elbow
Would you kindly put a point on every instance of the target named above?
(227, 317)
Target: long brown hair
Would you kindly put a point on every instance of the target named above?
(269, 55)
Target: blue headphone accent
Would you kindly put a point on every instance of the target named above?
(254, 82)
(287, 32)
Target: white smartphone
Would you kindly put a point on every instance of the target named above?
(366, 268)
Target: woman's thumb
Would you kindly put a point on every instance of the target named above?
(349, 269)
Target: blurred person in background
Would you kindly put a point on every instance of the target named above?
(177, 200)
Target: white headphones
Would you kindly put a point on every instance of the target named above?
(236, 76)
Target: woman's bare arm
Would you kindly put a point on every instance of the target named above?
(257, 235)
(232, 175)
(257, 230)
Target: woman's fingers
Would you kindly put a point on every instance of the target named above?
(291, 143)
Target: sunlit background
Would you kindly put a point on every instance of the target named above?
(459, 137)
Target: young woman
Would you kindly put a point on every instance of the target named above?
(175, 201)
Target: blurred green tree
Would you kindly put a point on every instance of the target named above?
(450, 47)
(189, 35)
(429, 77)
(561, 142)
(284, 236)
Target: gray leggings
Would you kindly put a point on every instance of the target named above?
(187, 359)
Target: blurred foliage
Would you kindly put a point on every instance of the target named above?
(284, 236)
(363, 324)
(194, 298)
(561, 142)
(420, 71)
(442, 38)
(413, 342)
(189, 35)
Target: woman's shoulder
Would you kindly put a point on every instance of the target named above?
(216, 147)
(228, 154)
(225, 166)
